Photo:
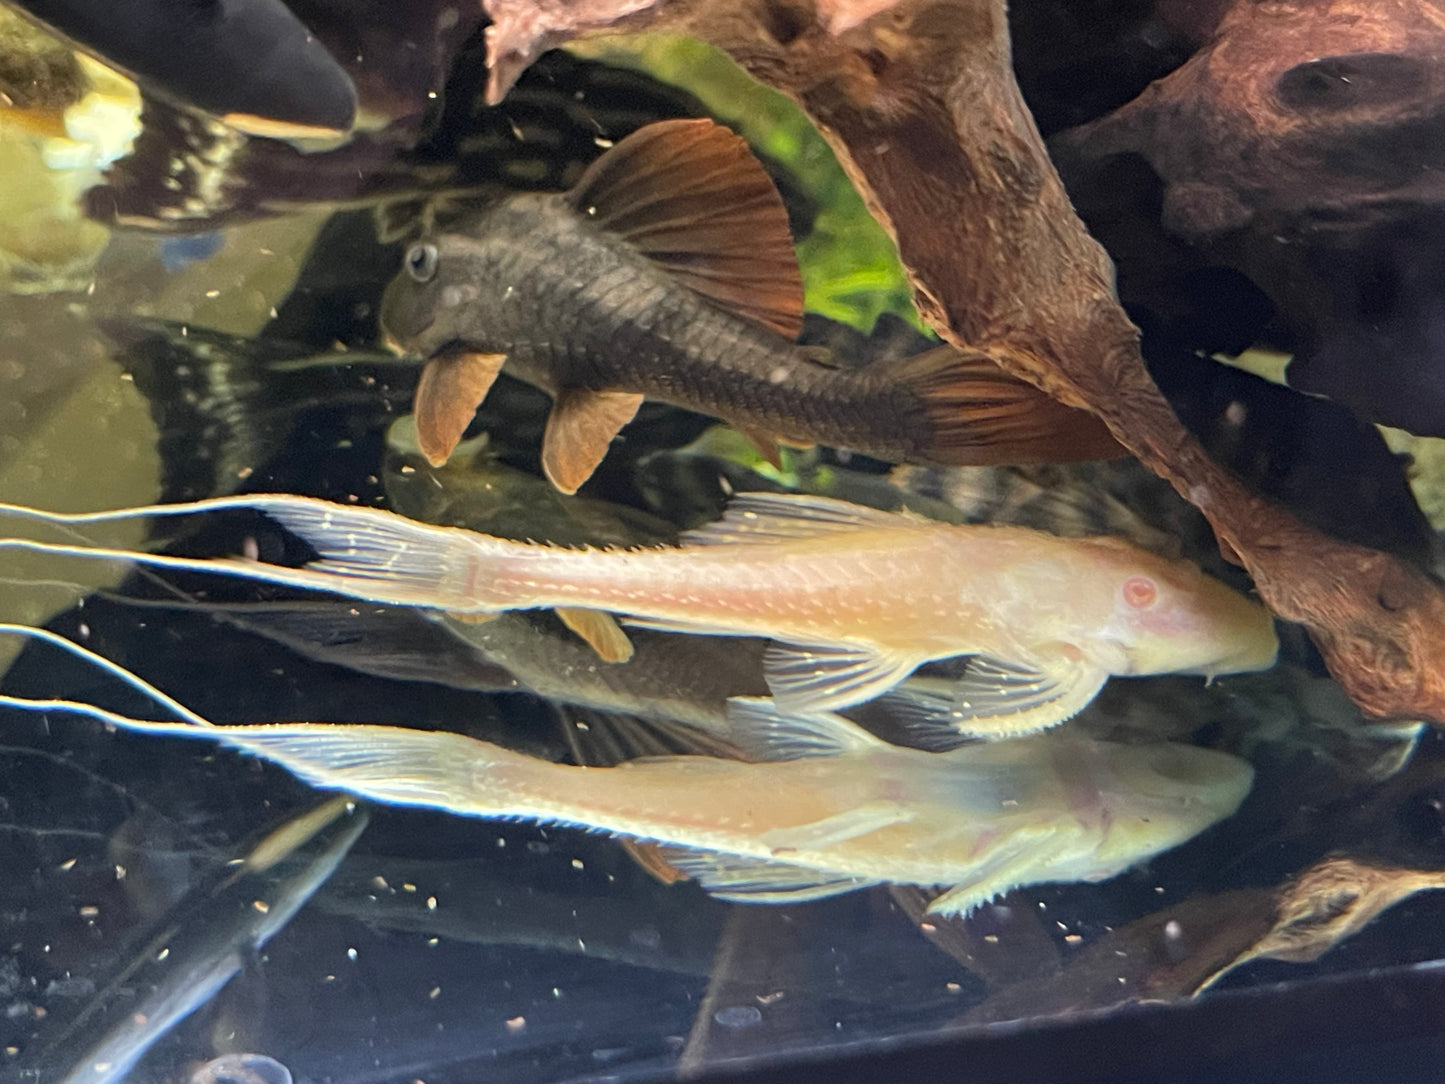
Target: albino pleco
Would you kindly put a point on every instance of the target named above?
(854, 599)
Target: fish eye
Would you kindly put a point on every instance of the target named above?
(1140, 592)
(421, 261)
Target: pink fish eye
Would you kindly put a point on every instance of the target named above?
(1140, 592)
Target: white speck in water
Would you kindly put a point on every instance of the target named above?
(351, 954)
(1172, 930)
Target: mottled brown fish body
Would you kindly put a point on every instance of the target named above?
(668, 273)
(572, 307)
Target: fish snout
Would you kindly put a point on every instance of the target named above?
(1202, 628)
(1161, 795)
(407, 313)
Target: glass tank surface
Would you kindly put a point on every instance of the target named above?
(611, 542)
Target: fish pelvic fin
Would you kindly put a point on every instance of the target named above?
(807, 679)
(451, 387)
(743, 879)
(579, 431)
(762, 732)
(975, 414)
(600, 630)
(691, 196)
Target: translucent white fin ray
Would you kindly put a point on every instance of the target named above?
(763, 732)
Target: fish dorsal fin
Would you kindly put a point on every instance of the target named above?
(690, 196)
(450, 389)
(579, 432)
(756, 880)
(762, 732)
(600, 630)
(776, 517)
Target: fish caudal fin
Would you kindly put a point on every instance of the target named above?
(378, 555)
(450, 389)
(975, 414)
(690, 196)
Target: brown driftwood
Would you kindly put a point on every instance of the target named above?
(1303, 145)
(919, 101)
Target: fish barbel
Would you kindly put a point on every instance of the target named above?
(823, 808)
(854, 598)
(668, 273)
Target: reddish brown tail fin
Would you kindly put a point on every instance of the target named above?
(975, 414)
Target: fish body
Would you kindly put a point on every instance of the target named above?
(668, 273)
(824, 808)
(854, 598)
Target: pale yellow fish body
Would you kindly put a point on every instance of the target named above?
(849, 810)
(854, 598)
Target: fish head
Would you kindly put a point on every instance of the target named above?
(1165, 616)
(414, 308)
(1149, 798)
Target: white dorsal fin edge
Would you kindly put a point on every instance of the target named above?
(773, 517)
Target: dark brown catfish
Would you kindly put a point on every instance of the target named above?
(668, 273)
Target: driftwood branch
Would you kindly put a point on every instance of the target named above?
(919, 101)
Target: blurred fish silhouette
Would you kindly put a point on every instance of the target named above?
(668, 272)
(856, 599)
(225, 405)
(251, 63)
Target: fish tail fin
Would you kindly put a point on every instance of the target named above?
(380, 556)
(975, 414)
(393, 765)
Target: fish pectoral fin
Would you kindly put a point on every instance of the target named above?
(840, 828)
(451, 387)
(807, 679)
(775, 517)
(993, 699)
(744, 879)
(1026, 862)
(473, 617)
(691, 197)
(580, 430)
(600, 630)
(762, 732)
